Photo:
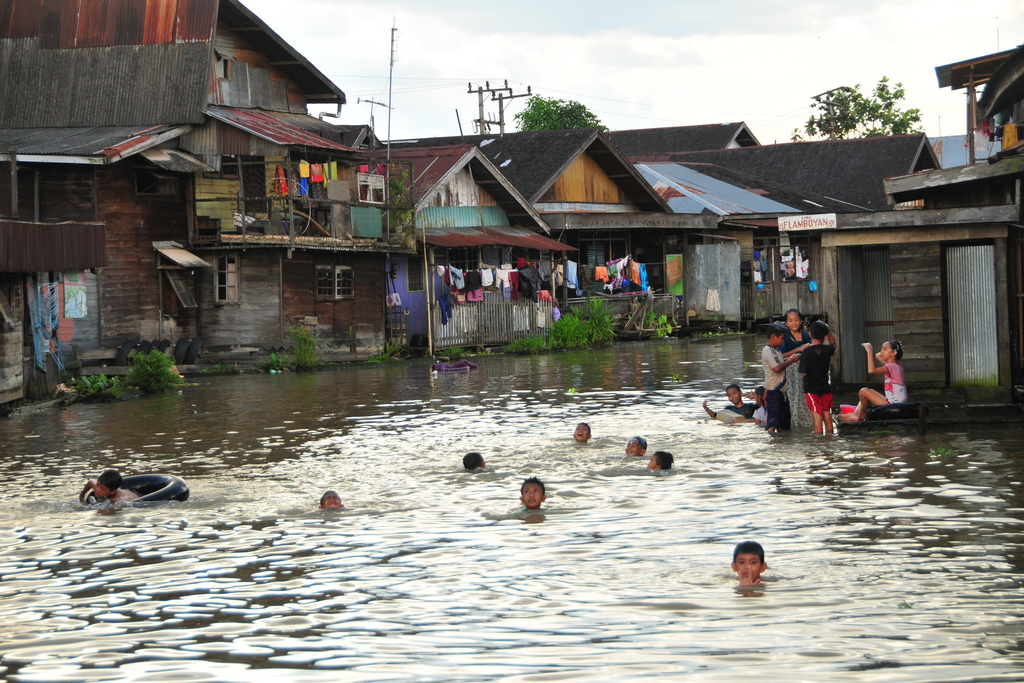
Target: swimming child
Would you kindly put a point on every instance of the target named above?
(737, 410)
(582, 433)
(748, 562)
(532, 493)
(814, 366)
(661, 460)
(107, 487)
(330, 501)
(636, 446)
(774, 365)
(895, 386)
(760, 414)
(473, 461)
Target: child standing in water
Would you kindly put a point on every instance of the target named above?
(795, 341)
(774, 365)
(895, 385)
(814, 366)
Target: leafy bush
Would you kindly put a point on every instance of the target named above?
(528, 346)
(583, 327)
(303, 347)
(661, 324)
(153, 372)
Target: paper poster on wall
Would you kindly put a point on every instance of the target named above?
(74, 295)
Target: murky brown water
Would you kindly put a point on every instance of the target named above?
(887, 563)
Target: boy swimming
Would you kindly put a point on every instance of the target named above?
(473, 461)
(532, 493)
(330, 501)
(107, 487)
(661, 460)
(636, 446)
(748, 562)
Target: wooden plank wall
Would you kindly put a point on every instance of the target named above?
(916, 275)
(255, 319)
(360, 318)
(130, 284)
(66, 193)
(585, 181)
(11, 341)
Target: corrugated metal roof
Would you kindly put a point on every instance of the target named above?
(494, 235)
(112, 142)
(176, 160)
(429, 164)
(689, 191)
(269, 126)
(183, 257)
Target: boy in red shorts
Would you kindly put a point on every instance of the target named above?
(814, 365)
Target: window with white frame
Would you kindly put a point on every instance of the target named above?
(371, 188)
(227, 278)
(334, 282)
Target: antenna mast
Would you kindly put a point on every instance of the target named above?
(391, 71)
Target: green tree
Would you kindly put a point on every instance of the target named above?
(546, 113)
(849, 113)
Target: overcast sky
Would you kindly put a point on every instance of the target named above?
(640, 64)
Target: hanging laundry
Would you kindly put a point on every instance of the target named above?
(513, 284)
(1009, 135)
(802, 268)
(394, 300)
(474, 294)
(713, 303)
(458, 280)
(487, 277)
(334, 171)
(473, 280)
(280, 182)
(555, 313)
(364, 168)
(503, 281)
(601, 273)
(544, 295)
(559, 275)
(634, 272)
(445, 304)
(571, 276)
(520, 263)
(303, 186)
(316, 173)
(644, 283)
(303, 169)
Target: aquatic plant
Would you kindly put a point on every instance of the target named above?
(98, 386)
(153, 372)
(274, 362)
(571, 391)
(906, 605)
(943, 452)
(528, 346)
(660, 323)
(389, 352)
(452, 353)
(303, 347)
(583, 327)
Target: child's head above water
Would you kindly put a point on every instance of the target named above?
(661, 460)
(532, 493)
(473, 461)
(582, 433)
(748, 562)
(636, 446)
(330, 501)
(735, 394)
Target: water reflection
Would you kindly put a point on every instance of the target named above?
(882, 553)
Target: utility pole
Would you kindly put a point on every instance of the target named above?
(830, 120)
(498, 95)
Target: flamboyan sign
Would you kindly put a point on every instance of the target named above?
(821, 221)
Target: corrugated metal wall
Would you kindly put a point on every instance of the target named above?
(973, 331)
(460, 216)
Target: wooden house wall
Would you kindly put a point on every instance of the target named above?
(255, 319)
(461, 190)
(130, 285)
(251, 82)
(359, 319)
(585, 182)
(66, 192)
(12, 340)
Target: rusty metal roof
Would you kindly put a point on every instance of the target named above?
(506, 236)
(34, 247)
(110, 143)
(269, 126)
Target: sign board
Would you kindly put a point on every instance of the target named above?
(821, 221)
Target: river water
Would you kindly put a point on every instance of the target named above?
(888, 558)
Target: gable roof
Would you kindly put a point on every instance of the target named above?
(81, 63)
(277, 127)
(704, 188)
(683, 138)
(849, 171)
(435, 165)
